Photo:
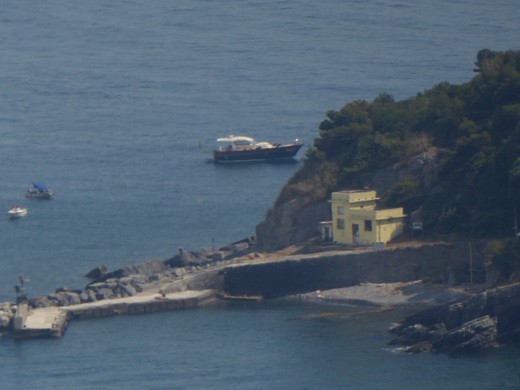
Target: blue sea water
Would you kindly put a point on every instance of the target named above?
(108, 102)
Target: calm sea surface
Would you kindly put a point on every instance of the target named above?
(107, 103)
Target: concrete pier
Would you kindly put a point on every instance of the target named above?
(53, 321)
(44, 322)
(142, 303)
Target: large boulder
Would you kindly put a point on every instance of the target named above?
(66, 298)
(189, 258)
(203, 257)
(146, 268)
(47, 301)
(97, 272)
(7, 311)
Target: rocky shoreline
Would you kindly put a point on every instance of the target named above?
(417, 294)
(479, 321)
(459, 317)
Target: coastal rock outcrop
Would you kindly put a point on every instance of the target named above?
(479, 333)
(291, 223)
(481, 321)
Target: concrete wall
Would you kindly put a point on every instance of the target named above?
(389, 229)
(440, 263)
(20, 316)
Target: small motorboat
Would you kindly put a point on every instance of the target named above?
(240, 148)
(39, 190)
(17, 212)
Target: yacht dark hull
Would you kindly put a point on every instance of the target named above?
(259, 154)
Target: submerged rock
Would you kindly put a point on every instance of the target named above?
(423, 346)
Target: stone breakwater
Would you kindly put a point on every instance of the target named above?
(194, 278)
(134, 280)
(195, 270)
(188, 279)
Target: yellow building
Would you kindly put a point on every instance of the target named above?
(356, 219)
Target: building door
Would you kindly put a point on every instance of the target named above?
(355, 233)
(328, 235)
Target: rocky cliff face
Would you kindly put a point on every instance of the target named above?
(302, 205)
(422, 167)
(290, 224)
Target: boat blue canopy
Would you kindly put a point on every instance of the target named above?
(40, 186)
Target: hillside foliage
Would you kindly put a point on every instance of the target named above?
(504, 256)
(478, 122)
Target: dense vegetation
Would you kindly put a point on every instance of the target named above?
(478, 122)
(504, 256)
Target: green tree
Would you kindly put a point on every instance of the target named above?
(477, 122)
(504, 255)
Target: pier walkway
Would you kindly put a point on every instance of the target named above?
(53, 321)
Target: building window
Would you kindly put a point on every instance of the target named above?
(368, 225)
(341, 210)
(340, 223)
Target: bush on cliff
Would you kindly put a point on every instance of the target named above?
(407, 193)
(504, 256)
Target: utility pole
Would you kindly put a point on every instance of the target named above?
(470, 262)
(516, 225)
(471, 249)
